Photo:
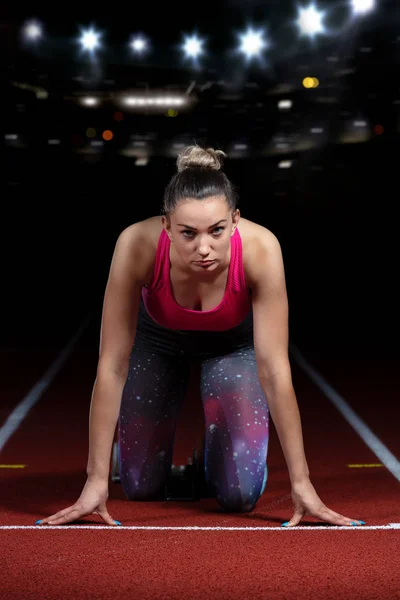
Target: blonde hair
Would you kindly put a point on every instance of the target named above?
(195, 157)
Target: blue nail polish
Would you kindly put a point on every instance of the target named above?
(362, 522)
(285, 524)
(38, 522)
(118, 523)
(355, 524)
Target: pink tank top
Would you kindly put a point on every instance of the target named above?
(163, 308)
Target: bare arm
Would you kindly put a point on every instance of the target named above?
(271, 339)
(270, 306)
(118, 328)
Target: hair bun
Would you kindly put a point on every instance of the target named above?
(195, 157)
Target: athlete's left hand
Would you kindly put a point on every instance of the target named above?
(307, 502)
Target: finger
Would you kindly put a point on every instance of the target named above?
(57, 515)
(295, 520)
(67, 517)
(335, 518)
(107, 518)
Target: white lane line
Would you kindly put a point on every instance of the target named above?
(19, 413)
(194, 528)
(370, 439)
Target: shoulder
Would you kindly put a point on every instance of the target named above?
(261, 250)
(139, 242)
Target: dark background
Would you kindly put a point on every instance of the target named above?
(334, 211)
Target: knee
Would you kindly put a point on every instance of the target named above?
(142, 496)
(142, 490)
(242, 499)
(237, 502)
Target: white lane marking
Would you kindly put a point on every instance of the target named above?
(195, 528)
(15, 419)
(370, 439)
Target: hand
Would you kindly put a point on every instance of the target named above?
(307, 502)
(92, 500)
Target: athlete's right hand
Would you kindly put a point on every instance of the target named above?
(91, 501)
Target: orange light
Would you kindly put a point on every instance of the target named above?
(310, 82)
(378, 129)
(107, 135)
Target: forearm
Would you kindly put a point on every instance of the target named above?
(284, 410)
(104, 412)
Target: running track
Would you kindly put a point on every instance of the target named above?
(350, 416)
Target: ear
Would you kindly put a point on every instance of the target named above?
(167, 226)
(235, 220)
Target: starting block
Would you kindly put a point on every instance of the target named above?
(185, 482)
(115, 478)
(182, 484)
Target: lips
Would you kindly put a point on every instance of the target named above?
(206, 262)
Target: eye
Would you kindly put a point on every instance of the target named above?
(189, 234)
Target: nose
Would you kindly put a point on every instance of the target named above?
(204, 249)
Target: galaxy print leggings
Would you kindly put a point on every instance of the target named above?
(235, 410)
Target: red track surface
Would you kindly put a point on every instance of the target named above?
(99, 563)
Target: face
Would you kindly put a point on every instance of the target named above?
(200, 230)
